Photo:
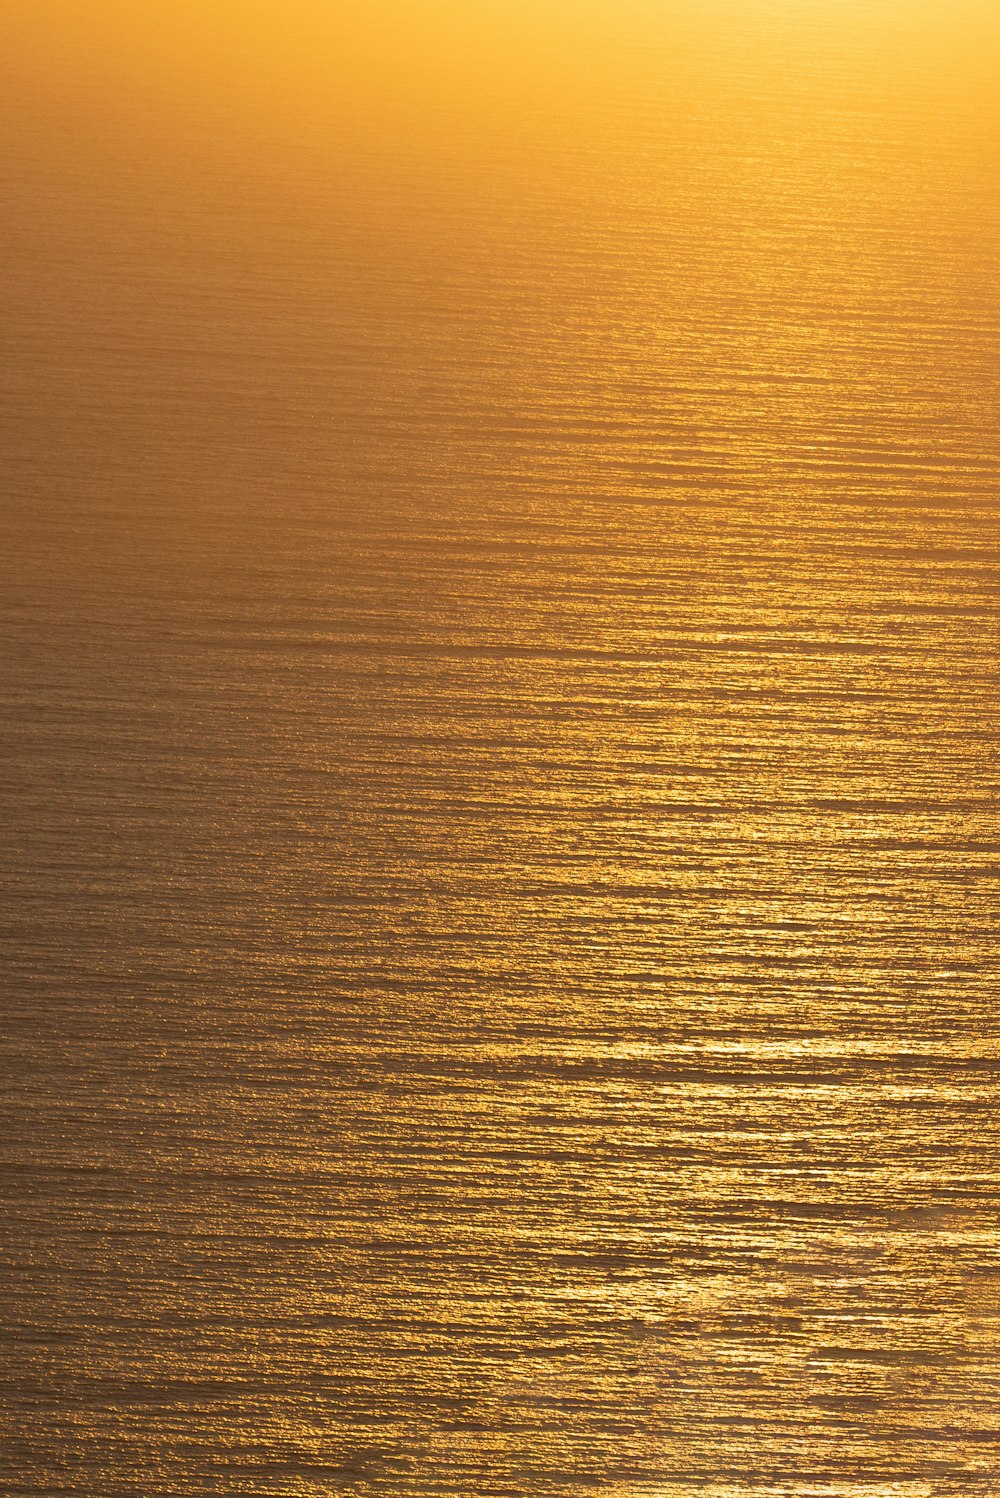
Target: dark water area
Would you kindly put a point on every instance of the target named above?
(499, 783)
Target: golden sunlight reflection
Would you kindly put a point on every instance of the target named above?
(499, 606)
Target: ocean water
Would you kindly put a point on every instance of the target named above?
(499, 721)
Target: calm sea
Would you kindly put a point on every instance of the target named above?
(499, 720)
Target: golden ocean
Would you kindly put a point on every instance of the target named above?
(499, 828)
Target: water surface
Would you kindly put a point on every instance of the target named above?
(499, 725)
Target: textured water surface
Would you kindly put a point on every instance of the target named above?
(499, 730)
